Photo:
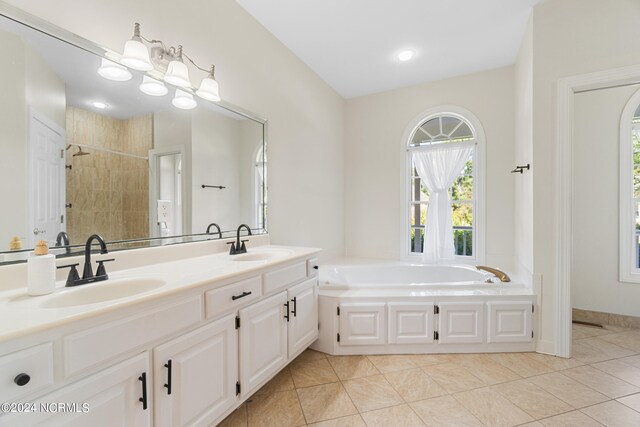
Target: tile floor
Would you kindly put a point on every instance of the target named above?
(599, 386)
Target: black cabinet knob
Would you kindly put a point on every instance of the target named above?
(22, 379)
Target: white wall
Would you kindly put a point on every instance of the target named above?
(373, 141)
(570, 37)
(256, 72)
(26, 82)
(596, 213)
(216, 161)
(523, 197)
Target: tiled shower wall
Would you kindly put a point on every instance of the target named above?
(108, 193)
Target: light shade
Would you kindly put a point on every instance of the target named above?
(209, 89)
(177, 74)
(153, 87)
(184, 100)
(136, 55)
(112, 71)
(406, 55)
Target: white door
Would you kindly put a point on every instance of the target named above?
(303, 315)
(47, 184)
(411, 323)
(263, 341)
(113, 397)
(362, 324)
(195, 375)
(461, 322)
(510, 321)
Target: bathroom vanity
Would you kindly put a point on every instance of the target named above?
(180, 342)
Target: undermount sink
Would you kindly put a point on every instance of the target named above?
(262, 255)
(101, 292)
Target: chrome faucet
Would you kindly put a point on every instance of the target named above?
(63, 240)
(213, 224)
(238, 247)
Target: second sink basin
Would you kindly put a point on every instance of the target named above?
(101, 292)
(262, 255)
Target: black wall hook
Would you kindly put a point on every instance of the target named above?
(521, 169)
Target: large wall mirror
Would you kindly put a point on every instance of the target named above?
(83, 154)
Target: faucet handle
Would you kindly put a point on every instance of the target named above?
(232, 250)
(243, 248)
(73, 276)
(101, 270)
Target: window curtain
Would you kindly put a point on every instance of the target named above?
(438, 166)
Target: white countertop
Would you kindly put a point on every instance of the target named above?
(21, 314)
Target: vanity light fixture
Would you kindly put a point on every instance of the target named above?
(166, 63)
(136, 54)
(183, 100)
(112, 71)
(209, 87)
(153, 87)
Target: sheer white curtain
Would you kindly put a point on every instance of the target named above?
(438, 166)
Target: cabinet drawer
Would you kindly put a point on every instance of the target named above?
(36, 362)
(228, 298)
(312, 267)
(285, 276)
(102, 343)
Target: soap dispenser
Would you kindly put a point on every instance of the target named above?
(41, 270)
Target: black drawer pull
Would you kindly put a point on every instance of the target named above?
(294, 311)
(315, 267)
(143, 399)
(286, 316)
(168, 384)
(242, 295)
(22, 379)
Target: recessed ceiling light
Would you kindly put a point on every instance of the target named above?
(99, 105)
(405, 55)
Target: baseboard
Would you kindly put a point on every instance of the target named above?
(604, 318)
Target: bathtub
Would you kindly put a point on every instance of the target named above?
(379, 307)
(397, 275)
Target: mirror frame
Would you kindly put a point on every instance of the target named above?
(38, 24)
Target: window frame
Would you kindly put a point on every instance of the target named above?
(629, 273)
(479, 173)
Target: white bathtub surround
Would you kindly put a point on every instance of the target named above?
(402, 308)
(438, 165)
(210, 327)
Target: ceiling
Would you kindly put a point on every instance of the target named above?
(352, 44)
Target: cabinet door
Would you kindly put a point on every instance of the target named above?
(195, 375)
(461, 322)
(362, 324)
(111, 397)
(411, 323)
(263, 341)
(510, 321)
(303, 317)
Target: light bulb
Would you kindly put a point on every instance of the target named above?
(112, 71)
(406, 55)
(184, 100)
(153, 87)
(209, 88)
(136, 54)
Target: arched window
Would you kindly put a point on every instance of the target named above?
(444, 146)
(630, 191)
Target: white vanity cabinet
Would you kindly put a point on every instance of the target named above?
(195, 375)
(411, 323)
(188, 359)
(263, 341)
(361, 324)
(119, 395)
(461, 322)
(303, 315)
